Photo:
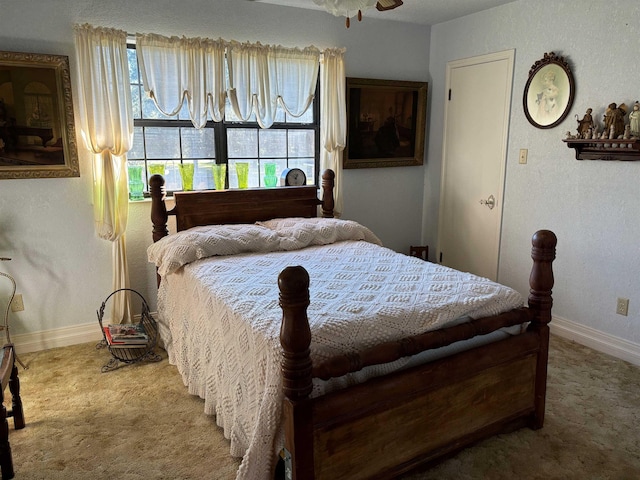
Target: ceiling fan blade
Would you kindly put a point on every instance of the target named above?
(383, 5)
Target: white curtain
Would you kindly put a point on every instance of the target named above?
(333, 118)
(173, 69)
(107, 129)
(260, 77)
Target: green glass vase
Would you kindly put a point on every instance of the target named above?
(136, 185)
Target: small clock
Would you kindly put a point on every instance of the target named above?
(293, 177)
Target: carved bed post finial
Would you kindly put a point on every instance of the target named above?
(295, 334)
(328, 183)
(159, 215)
(543, 253)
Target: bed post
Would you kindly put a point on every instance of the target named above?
(159, 215)
(295, 338)
(543, 252)
(328, 182)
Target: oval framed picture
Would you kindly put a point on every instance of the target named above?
(548, 94)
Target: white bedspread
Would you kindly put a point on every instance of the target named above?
(220, 321)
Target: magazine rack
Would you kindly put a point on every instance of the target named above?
(126, 355)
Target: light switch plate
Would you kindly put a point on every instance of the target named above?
(523, 155)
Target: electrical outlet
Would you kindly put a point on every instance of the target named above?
(17, 305)
(622, 307)
(523, 155)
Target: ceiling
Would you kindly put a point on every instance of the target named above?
(423, 12)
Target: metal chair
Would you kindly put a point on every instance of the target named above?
(5, 326)
(9, 377)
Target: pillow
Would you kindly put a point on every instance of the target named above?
(296, 233)
(174, 251)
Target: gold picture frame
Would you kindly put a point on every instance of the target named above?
(386, 122)
(37, 130)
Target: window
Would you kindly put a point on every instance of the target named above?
(162, 142)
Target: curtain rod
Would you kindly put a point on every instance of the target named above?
(131, 39)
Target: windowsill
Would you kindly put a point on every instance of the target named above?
(144, 200)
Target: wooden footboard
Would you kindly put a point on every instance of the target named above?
(392, 424)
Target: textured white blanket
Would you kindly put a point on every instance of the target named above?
(220, 322)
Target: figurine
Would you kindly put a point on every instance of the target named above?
(614, 119)
(634, 120)
(585, 125)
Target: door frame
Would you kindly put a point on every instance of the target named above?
(509, 56)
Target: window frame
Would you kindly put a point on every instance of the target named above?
(220, 130)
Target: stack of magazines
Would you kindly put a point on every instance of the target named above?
(126, 335)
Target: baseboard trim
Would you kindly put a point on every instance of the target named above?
(602, 342)
(59, 337)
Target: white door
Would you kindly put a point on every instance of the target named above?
(474, 159)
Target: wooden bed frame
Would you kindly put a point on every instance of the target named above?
(392, 424)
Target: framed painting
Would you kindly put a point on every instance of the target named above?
(548, 94)
(37, 132)
(386, 122)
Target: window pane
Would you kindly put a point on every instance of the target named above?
(242, 143)
(198, 143)
(132, 59)
(162, 142)
(137, 149)
(280, 115)
(183, 114)
(301, 143)
(135, 101)
(273, 143)
(203, 175)
(306, 117)
(172, 176)
(149, 109)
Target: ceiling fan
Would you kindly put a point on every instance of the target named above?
(388, 4)
(347, 8)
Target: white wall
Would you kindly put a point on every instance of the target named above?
(46, 225)
(592, 206)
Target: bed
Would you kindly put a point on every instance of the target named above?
(370, 405)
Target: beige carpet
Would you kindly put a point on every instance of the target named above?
(139, 422)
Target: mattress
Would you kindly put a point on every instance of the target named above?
(219, 320)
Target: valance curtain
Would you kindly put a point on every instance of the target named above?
(258, 75)
(174, 69)
(333, 118)
(107, 129)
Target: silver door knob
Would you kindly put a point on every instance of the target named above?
(489, 202)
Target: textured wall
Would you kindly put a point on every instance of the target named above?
(591, 205)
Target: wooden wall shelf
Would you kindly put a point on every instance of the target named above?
(625, 150)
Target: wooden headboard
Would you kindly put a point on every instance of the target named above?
(214, 207)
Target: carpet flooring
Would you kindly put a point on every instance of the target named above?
(139, 422)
